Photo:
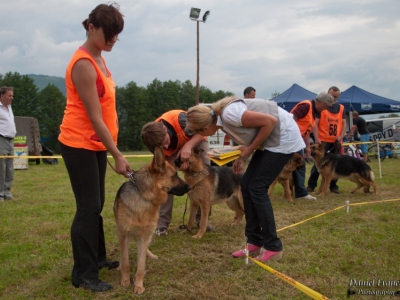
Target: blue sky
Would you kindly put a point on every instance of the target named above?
(266, 44)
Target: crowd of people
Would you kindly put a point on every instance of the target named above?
(268, 137)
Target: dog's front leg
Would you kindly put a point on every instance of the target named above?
(205, 210)
(326, 179)
(142, 249)
(286, 191)
(192, 215)
(124, 249)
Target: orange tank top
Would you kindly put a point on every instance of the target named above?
(330, 125)
(305, 124)
(76, 128)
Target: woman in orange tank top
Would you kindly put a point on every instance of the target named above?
(89, 129)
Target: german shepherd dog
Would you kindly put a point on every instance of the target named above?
(136, 210)
(211, 185)
(285, 177)
(334, 166)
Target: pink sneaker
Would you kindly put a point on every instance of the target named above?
(267, 255)
(250, 247)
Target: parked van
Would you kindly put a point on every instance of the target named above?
(383, 128)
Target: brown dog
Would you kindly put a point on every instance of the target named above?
(136, 210)
(333, 166)
(285, 177)
(211, 185)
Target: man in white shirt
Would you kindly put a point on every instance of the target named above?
(7, 134)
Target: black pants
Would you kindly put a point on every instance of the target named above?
(87, 170)
(260, 228)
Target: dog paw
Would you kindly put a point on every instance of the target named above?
(125, 283)
(139, 289)
(197, 236)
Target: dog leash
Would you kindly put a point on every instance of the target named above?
(183, 226)
(130, 175)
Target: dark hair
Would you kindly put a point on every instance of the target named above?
(5, 89)
(334, 88)
(108, 17)
(153, 135)
(248, 90)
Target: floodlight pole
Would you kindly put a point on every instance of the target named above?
(198, 66)
(194, 15)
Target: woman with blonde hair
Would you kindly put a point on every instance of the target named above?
(271, 136)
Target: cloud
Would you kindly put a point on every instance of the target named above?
(266, 44)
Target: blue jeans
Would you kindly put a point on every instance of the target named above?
(260, 228)
(314, 174)
(364, 147)
(299, 176)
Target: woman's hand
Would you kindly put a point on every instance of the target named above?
(239, 166)
(122, 166)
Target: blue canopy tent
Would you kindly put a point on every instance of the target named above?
(365, 102)
(289, 98)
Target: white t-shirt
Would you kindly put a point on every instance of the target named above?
(290, 139)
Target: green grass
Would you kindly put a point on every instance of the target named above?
(324, 253)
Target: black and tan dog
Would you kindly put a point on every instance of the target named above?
(285, 177)
(136, 211)
(211, 185)
(334, 166)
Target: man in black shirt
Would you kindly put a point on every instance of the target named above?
(360, 126)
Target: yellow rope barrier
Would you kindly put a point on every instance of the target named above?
(301, 287)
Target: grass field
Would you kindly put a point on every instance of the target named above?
(325, 253)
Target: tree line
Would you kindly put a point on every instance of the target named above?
(136, 105)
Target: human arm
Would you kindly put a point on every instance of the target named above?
(186, 150)
(265, 123)
(315, 132)
(343, 133)
(353, 130)
(84, 77)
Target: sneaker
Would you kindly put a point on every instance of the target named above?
(208, 228)
(267, 255)
(8, 196)
(162, 231)
(310, 189)
(250, 247)
(95, 285)
(335, 190)
(308, 197)
(1, 199)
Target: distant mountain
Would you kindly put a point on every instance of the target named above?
(41, 81)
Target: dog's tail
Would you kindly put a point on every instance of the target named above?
(372, 175)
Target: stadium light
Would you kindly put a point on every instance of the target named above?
(194, 16)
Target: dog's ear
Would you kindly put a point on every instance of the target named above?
(297, 158)
(322, 144)
(159, 160)
(197, 151)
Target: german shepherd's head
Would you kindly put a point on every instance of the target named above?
(295, 162)
(318, 151)
(195, 161)
(166, 176)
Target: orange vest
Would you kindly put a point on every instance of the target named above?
(330, 125)
(305, 124)
(172, 117)
(76, 128)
